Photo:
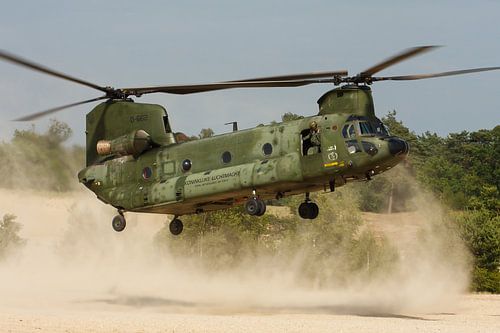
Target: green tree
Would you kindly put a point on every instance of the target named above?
(58, 132)
(480, 230)
(220, 239)
(324, 249)
(206, 133)
(288, 116)
(397, 128)
(461, 169)
(41, 160)
(9, 235)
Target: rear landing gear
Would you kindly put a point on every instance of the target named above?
(176, 226)
(119, 223)
(255, 206)
(308, 209)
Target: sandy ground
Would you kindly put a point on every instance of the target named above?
(479, 313)
(77, 275)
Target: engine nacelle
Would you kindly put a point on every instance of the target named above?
(134, 143)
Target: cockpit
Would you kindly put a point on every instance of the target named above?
(357, 133)
(364, 127)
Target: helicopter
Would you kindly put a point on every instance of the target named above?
(136, 163)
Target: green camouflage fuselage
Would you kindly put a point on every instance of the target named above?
(274, 160)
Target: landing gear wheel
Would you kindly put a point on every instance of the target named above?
(308, 210)
(252, 207)
(119, 223)
(176, 226)
(304, 210)
(255, 207)
(262, 207)
(314, 210)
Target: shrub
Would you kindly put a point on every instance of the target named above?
(10, 240)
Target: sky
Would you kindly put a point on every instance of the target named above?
(144, 43)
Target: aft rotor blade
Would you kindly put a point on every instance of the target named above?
(432, 75)
(292, 77)
(197, 88)
(396, 59)
(26, 63)
(59, 108)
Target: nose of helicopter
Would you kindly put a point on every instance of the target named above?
(398, 147)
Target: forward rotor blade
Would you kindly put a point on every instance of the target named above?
(26, 63)
(432, 75)
(59, 108)
(197, 88)
(292, 77)
(396, 58)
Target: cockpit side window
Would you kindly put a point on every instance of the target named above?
(351, 131)
(344, 131)
(348, 131)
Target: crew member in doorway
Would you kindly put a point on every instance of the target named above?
(315, 139)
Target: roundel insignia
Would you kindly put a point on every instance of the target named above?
(333, 156)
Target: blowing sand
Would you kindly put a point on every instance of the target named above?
(77, 275)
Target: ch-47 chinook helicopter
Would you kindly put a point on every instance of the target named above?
(136, 163)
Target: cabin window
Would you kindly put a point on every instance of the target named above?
(226, 157)
(267, 149)
(186, 165)
(147, 173)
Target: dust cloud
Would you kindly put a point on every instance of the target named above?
(73, 259)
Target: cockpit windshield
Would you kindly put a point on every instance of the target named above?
(381, 129)
(365, 128)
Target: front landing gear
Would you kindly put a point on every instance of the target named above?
(308, 209)
(119, 223)
(176, 226)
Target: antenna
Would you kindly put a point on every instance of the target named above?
(235, 125)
